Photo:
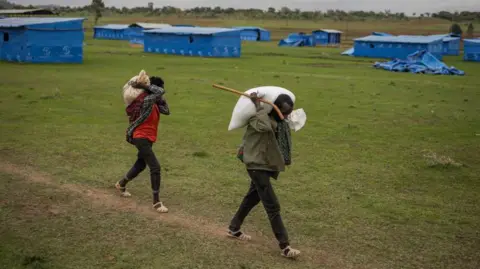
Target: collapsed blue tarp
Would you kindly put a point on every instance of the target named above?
(298, 40)
(419, 62)
(349, 52)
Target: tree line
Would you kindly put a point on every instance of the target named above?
(253, 13)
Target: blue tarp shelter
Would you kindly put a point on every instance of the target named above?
(298, 40)
(327, 37)
(194, 41)
(253, 33)
(420, 62)
(42, 40)
(135, 30)
(111, 32)
(471, 50)
(397, 47)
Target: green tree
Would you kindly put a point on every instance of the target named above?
(456, 29)
(97, 7)
(470, 30)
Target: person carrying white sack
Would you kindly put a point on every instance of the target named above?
(265, 152)
(144, 98)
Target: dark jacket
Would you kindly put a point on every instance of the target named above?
(260, 147)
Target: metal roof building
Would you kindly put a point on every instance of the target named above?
(327, 37)
(252, 33)
(194, 41)
(397, 46)
(111, 32)
(42, 40)
(135, 30)
(471, 49)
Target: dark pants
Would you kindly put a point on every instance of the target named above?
(146, 156)
(261, 189)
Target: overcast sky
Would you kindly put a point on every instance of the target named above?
(408, 6)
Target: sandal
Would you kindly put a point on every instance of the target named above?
(290, 253)
(239, 235)
(123, 190)
(160, 208)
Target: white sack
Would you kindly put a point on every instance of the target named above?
(245, 109)
(130, 93)
(296, 120)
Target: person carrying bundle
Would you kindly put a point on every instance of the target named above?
(265, 152)
(145, 102)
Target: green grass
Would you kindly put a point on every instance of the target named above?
(364, 190)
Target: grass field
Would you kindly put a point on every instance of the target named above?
(385, 173)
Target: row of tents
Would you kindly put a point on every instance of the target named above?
(384, 45)
(134, 32)
(61, 40)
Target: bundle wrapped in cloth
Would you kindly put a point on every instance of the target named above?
(245, 109)
(130, 93)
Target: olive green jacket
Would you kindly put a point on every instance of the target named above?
(260, 147)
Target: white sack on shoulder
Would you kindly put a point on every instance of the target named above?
(245, 109)
(130, 93)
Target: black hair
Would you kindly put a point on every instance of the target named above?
(283, 98)
(157, 81)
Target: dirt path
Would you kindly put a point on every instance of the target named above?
(111, 199)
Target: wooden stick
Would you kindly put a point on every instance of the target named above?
(247, 95)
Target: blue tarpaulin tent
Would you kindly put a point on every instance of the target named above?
(471, 50)
(419, 62)
(298, 40)
(111, 32)
(327, 37)
(253, 33)
(396, 47)
(135, 30)
(194, 41)
(42, 40)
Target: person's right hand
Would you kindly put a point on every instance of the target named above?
(255, 98)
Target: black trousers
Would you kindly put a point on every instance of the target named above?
(261, 189)
(145, 157)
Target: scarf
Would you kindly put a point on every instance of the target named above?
(284, 140)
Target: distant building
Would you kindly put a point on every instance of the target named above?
(327, 37)
(253, 33)
(135, 30)
(471, 50)
(42, 40)
(451, 44)
(194, 41)
(111, 32)
(397, 47)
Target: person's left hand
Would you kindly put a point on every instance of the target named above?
(138, 85)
